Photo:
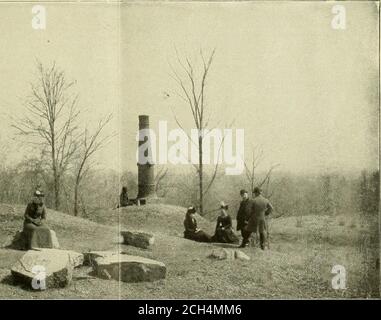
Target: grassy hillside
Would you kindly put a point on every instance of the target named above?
(162, 218)
(298, 265)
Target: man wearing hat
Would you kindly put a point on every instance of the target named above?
(37, 234)
(243, 216)
(257, 221)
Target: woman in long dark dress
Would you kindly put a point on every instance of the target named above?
(36, 233)
(224, 232)
(123, 198)
(192, 232)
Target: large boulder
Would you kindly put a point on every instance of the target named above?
(19, 241)
(44, 268)
(90, 256)
(55, 242)
(75, 258)
(137, 239)
(128, 268)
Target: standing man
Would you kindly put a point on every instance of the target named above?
(243, 216)
(257, 222)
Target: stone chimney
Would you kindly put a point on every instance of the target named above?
(146, 172)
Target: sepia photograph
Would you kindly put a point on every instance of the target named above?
(189, 150)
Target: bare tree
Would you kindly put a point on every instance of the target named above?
(251, 172)
(90, 143)
(159, 178)
(51, 121)
(192, 91)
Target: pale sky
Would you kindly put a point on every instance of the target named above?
(305, 92)
(83, 41)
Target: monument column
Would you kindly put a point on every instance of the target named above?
(146, 171)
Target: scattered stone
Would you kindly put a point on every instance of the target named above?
(128, 268)
(137, 239)
(52, 265)
(90, 256)
(228, 254)
(106, 275)
(222, 254)
(241, 256)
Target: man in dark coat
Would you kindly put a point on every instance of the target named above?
(243, 216)
(257, 222)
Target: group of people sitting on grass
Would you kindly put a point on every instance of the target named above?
(251, 218)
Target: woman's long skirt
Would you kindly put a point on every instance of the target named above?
(225, 236)
(37, 236)
(199, 236)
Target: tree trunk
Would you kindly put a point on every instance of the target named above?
(55, 172)
(76, 189)
(253, 179)
(76, 198)
(200, 172)
(56, 190)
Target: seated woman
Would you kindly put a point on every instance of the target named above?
(123, 199)
(191, 231)
(224, 232)
(36, 233)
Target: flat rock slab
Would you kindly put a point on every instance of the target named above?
(128, 268)
(90, 256)
(52, 267)
(75, 258)
(137, 239)
(228, 254)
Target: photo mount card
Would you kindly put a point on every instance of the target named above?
(189, 150)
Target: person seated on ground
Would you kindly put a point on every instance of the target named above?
(224, 232)
(36, 233)
(123, 199)
(191, 231)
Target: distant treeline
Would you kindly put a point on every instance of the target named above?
(324, 194)
(291, 194)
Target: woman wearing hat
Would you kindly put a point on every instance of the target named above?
(191, 231)
(224, 232)
(37, 234)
